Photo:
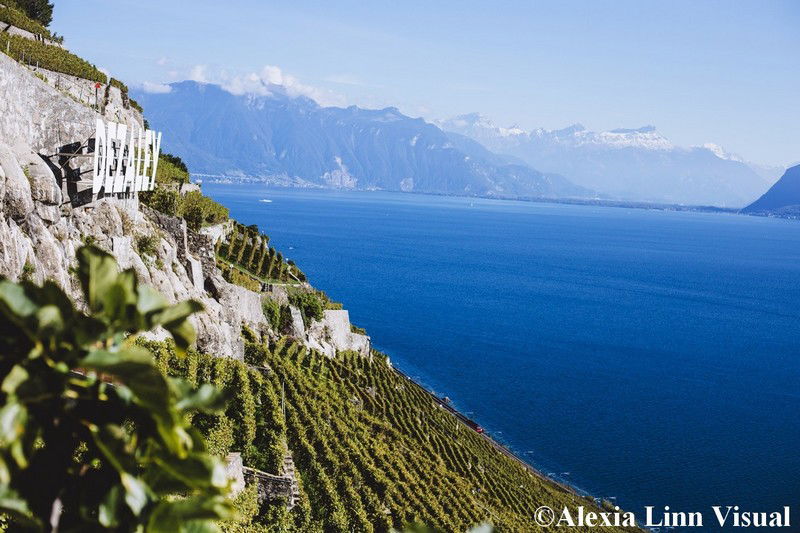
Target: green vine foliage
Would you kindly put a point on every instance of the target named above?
(372, 451)
(93, 436)
(17, 18)
(50, 57)
(248, 250)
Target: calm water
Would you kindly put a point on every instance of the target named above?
(647, 355)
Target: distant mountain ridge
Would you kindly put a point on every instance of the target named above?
(782, 199)
(292, 140)
(628, 164)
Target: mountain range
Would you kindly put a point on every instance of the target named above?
(291, 140)
(627, 164)
(287, 139)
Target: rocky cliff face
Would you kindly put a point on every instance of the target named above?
(40, 230)
(49, 111)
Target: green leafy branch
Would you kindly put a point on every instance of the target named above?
(92, 435)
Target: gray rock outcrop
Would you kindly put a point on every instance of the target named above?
(17, 200)
(333, 333)
(35, 113)
(44, 187)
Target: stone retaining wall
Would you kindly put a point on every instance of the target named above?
(271, 488)
(33, 112)
(13, 30)
(202, 246)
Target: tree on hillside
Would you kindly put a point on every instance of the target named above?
(40, 10)
(92, 435)
(175, 160)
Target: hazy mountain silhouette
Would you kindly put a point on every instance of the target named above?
(292, 140)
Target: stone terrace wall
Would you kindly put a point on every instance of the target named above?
(202, 246)
(271, 488)
(36, 114)
(13, 30)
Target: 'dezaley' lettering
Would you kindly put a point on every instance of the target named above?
(125, 160)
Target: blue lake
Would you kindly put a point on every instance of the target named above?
(651, 356)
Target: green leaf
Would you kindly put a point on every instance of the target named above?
(5, 473)
(200, 526)
(197, 470)
(134, 367)
(51, 294)
(173, 319)
(116, 301)
(109, 507)
(169, 517)
(150, 301)
(16, 300)
(135, 492)
(13, 505)
(207, 398)
(14, 379)
(13, 417)
(97, 272)
(49, 321)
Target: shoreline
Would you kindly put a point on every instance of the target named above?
(596, 202)
(500, 447)
(561, 484)
(592, 202)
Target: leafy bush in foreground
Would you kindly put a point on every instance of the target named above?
(92, 435)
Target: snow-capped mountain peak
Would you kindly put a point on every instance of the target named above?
(629, 163)
(720, 152)
(478, 124)
(480, 127)
(644, 137)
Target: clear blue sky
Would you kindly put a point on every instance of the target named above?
(726, 72)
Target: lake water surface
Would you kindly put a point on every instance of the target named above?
(650, 356)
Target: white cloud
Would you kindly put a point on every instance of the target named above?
(264, 82)
(260, 83)
(162, 61)
(198, 74)
(156, 88)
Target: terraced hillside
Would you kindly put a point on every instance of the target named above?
(247, 252)
(373, 449)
